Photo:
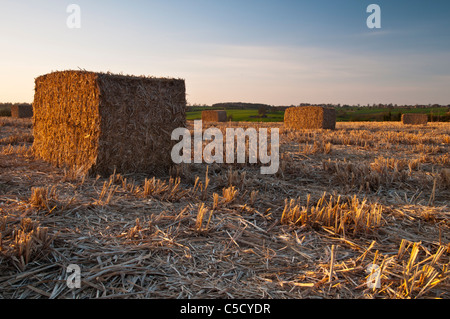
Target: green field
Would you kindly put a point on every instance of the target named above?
(344, 114)
(350, 114)
(246, 115)
(386, 114)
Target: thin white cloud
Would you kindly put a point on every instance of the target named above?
(290, 74)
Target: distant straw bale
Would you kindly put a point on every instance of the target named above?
(414, 119)
(21, 111)
(98, 123)
(310, 117)
(445, 177)
(214, 116)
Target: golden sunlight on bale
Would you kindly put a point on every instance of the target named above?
(98, 123)
(414, 119)
(310, 117)
(21, 111)
(214, 116)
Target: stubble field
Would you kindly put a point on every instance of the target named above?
(364, 194)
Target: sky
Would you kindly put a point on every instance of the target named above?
(275, 52)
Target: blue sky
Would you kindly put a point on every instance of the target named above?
(275, 52)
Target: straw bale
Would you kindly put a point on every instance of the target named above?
(214, 116)
(98, 123)
(22, 110)
(310, 117)
(414, 119)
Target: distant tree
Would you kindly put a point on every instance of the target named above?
(262, 110)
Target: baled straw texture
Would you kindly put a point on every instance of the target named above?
(21, 111)
(214, 116)
(414, 119)
(310, 117)
(99, 123)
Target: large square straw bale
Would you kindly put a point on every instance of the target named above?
(21, 111)
(414, 118)
(98, 123)
(214, 116)
(310, 117)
